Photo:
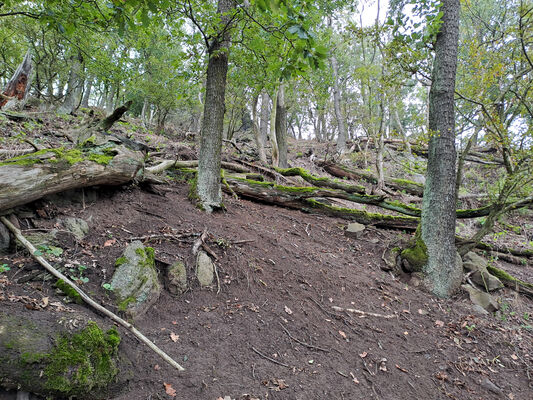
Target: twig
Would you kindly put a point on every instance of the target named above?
(363, 313)
(86, 298)
(268, 358)
(243, 241)
(218, 279)
(161, 236)
(303, 343)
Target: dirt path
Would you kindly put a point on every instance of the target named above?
(272, 331)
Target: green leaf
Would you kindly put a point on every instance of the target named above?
(38, 253)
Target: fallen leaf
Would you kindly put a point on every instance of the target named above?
(363, 354)
(44, 302)
(110, 242)
(157, 367)
(280, 383)
(441, 376)
(514, 357)
(422, 312)
(169, 389)
(355, 380)
(382, 365)
(288, 310)
(342, 334)
(439, 323)
(174, 337)
(174, 322)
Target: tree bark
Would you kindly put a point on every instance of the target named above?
(281, 127)
(87, 92)
(18, 86)
(273, 139)
(438, 207)
(208, 185)
(341, 138)
(75, 84)
(257, 132)
(263, 126)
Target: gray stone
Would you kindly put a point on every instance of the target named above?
(355, 230)
(487, 384)
(480, 275)
(135, 282)
(77, 226)
(205, 269)
(479, 310)
(482, 299)
(5, 239)
(419, 178)
(177, 278)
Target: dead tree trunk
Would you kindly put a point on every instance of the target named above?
(18, 86)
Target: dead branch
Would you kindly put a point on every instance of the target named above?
(363, 313)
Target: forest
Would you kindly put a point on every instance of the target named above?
(266, 199)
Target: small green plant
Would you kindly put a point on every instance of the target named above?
(76, 273)
(44, 249)
(107, 286)
(526, 316)
(4, 268)
(470, 328)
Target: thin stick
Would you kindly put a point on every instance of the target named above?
(363, 313)
(86, 298)
(303, 343)
(268, 358)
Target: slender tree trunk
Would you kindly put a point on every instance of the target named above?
(75, 84)
(208, 186)
(263, 126)
(380, 148)
(341, 138)
(438, 207)
(87, 93)
(281, 127)
(257, 132)
(273, 138)
(144, 110)
(110, 99)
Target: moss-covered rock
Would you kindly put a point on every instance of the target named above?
(135, 282)
(60, 358)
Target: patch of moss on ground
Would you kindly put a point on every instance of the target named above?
(417, 254)
(147, 256)
(83, 362)
(120, 261)
(69, 291)
(123, 305)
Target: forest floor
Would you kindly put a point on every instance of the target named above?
(268, 330)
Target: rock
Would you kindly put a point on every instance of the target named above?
(418, 178)
(205, 269)
(487, 384)
(135, 282)
(480, 276)
(177, 278)
(60, 356)
(391, 259)
(479, 310)
(5, 239)
(355, 230)
(43, 238)
(482, 299)
(77, 226)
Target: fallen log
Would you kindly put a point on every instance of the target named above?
(511, 282)
(305, 199)
(167, 164)
(341, 171)
(320, 182)
(30, 177)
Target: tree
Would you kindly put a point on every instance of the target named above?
(437, 231)
(208, 185)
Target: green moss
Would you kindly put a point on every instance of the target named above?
(281, 188)
(69, 291)
(102, 159)
(406, 182)
(417, 254)
(120, 261)
(504, 276)
(192, 195)
(123, 305)
(83, 362)
(147, 256)
(32, 358)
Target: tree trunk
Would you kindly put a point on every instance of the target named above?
(380, 148)
(110, 98)
(281, 127)
(273, 139)
(438, 207)
(87, 93)
(208, 185)
(263, 126)
(341, 138)
(75, 84)
(18, 86)
(257, 132)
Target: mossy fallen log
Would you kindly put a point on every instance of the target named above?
(30, 177)
(320, 182)
(511, 282)
(341, 171)
(305, 199)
